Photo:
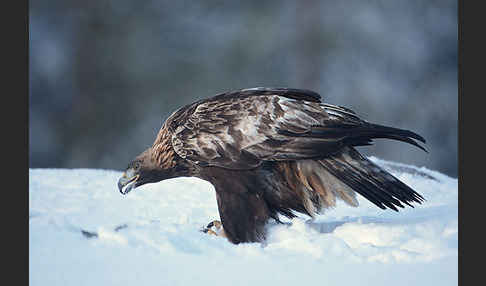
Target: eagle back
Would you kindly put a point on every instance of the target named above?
(238, 130)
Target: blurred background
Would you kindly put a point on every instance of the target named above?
(105, 74)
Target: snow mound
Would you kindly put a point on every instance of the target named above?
(82, 231)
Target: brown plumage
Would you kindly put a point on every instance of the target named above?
(271, 152)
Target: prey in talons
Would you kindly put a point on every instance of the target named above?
(215, 228)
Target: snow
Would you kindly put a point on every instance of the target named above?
(82, 231)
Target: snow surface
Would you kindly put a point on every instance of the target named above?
(82, 231)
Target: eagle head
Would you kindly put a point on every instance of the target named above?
(142, 170)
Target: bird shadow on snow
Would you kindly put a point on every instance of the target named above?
(329, 227)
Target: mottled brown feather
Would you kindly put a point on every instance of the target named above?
(162, 151)
(271, 151)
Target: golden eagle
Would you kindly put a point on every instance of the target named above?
(271, 152)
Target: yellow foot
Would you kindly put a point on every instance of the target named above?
(215, 228)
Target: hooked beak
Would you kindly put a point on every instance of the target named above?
(127, 181)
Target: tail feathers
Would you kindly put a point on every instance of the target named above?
(362, 134)
(372, 131)
(369, 180)
(344, 123)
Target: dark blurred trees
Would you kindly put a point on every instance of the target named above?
(104, 75)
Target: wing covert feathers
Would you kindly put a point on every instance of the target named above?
(293, 93)
(239, 130)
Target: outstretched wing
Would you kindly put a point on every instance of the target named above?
(239, 130)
